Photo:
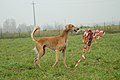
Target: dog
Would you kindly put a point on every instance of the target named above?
(87, 40)
(56, 43)
(88, 37)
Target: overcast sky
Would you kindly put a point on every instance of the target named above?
(60, 11)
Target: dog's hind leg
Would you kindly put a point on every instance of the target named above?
(57, 57)
(41, 51)
(36, 55)
(78, 62)
(40, 54)
(83, 52)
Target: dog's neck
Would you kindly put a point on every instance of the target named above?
(65, 34)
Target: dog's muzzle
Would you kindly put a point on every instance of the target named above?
(76, 29)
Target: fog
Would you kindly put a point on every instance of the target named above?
(49, 12)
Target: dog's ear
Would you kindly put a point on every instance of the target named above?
(66, 27)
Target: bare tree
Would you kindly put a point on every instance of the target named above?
(119, 24)
(48, 27)
(29, 29)
(22, 27)
(0, 32)
(9, 25)
(58, 27)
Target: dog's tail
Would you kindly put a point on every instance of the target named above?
(33, 32)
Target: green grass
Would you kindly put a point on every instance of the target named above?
(102, 63)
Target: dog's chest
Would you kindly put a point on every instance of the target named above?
(60, 46)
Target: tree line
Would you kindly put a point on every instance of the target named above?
(9, 25)
(11, 30)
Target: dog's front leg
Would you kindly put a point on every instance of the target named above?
(64, 56)
(57, 57)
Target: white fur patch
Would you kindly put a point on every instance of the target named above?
(36, 51)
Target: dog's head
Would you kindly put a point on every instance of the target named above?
(71, 27)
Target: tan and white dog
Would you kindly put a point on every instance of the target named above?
(57, 43)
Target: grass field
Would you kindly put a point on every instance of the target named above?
(103, 61)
